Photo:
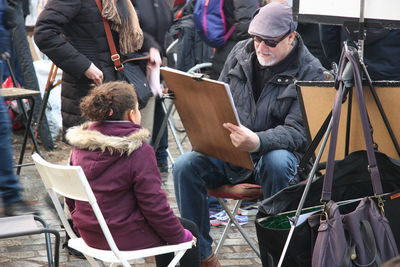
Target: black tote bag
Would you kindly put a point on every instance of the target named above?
(134, 73)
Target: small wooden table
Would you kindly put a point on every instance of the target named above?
(18, 94)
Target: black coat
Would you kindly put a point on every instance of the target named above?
(71, 34)
(155, 17)
(381, 50)
(275, 117)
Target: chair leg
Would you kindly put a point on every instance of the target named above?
(238, 226)
(56, 246)
(177, 258)
(92, 261)
(47, 233)
(225, 232)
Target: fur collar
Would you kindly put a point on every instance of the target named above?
(83, 138)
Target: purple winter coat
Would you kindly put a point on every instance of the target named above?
(122, 171)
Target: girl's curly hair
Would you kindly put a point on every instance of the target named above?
(109, 101)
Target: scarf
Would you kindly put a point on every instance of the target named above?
(125, 21)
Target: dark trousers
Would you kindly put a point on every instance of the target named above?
(191, 257)
(159, 115)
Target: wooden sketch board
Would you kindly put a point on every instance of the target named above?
(203, 106)
(317, 101)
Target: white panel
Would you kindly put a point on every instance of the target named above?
(374, 9)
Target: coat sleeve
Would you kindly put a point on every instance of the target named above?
(152, 200)
(149, 41)
(48, 36)
(242, 12)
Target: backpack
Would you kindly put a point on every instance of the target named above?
(210, 23)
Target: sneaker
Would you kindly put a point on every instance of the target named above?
(222, 218)
(216, 213)
(250, 210)
(19, 208)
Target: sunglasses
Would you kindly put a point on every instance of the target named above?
(269, 42)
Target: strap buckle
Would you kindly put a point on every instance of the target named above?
(115, 57)
(119, 68)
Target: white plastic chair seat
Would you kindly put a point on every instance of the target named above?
(109, 257)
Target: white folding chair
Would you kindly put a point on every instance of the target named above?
(71, 182)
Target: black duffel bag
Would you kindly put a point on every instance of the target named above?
(351, 181)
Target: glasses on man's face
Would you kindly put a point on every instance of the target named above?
(269, 42)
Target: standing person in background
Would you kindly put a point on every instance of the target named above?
(71, 34)
(9, 186)
(155, 17)
(381, 49)
(238, 13)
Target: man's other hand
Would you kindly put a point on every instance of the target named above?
(243, 138)
(94, 74)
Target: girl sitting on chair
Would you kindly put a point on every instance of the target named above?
(122, 170)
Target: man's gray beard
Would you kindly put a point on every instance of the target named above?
(266, 63)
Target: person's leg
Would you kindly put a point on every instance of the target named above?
(161, 152)
(192, 256)
(274, 171)
(9, 185)
(193, 173)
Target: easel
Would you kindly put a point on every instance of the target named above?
(346, 76)
(50, 85)
(31, 128)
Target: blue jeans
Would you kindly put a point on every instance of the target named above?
(9, 185)
(194, 172)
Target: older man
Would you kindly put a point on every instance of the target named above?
(260, 72)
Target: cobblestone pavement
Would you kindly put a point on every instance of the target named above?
(30, 250)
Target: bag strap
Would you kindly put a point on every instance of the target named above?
(348, 57)
(115, 57)
(372, 167)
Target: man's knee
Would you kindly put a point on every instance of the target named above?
(186, 165)
(279, 161)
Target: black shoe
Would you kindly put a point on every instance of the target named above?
(70, 250)
(19, 208)
(73, 252)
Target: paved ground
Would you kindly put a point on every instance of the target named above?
(30, 250)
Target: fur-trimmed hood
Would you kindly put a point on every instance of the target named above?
(89, 138)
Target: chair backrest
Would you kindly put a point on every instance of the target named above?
(71, 182)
